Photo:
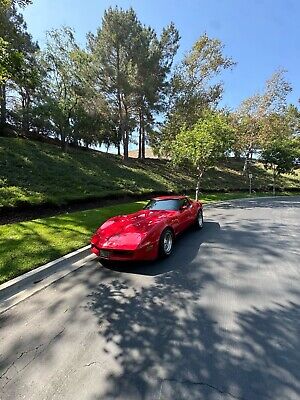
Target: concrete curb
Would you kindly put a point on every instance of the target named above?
(24, 286)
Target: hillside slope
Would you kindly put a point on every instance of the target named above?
(39, 173)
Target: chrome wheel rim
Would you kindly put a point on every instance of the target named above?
(168, 242)
(200, 219)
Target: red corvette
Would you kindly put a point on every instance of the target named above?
(146, 234)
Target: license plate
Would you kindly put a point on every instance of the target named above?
(104, 253)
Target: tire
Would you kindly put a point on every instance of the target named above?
(166, 242)
(199, 220)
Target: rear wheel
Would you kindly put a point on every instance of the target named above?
(166, 242)
(199, 220)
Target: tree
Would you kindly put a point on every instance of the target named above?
(261, 116)
(26, 86)
(62, 85)
(292, 114)
(113, 49)
(15, 46)
(154, 61)
(279, 156)
(131, 67)
(194, 85)
(203, 144)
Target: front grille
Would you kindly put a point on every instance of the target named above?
(122, 253)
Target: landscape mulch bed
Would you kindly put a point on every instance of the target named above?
(28, 212)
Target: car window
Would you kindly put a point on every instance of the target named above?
(170, 204)
(186, 202)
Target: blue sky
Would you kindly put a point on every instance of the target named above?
(260, 35)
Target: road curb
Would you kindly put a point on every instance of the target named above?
(24, 286)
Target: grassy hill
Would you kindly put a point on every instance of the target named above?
(39, 173)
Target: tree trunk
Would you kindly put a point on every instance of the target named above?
(125, 134)
(25, 114)
(64, 144)
(3, 105)
(248, 157)
(237, 155)
(143, 141)
(274, 181)
(125, 145)
(140, 134)
(121, 130)
(200, 173)
(246, 163)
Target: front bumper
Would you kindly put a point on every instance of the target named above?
(148, 252)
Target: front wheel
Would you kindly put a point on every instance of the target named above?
(166, 242)
(199, 220)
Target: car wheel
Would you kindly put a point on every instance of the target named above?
(166, 243)
(199, 220)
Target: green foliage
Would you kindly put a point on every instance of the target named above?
(26, 245)
(208, 140)
(67, 101)
(279, 157)
(292, 115)
(201, 146)
(195, 87)
(261, 118)
(39, 173)
(16, 49)
(113, 50)
(10, 61)
(131, 66)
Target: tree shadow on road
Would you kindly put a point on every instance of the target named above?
(169, 347)
(172, 346)
(162, 323)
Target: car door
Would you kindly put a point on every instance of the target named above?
(185, 214)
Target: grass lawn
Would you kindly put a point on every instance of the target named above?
(27, 245)
(39, 173)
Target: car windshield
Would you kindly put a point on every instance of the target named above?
(170, 204)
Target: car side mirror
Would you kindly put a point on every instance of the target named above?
(182, 208)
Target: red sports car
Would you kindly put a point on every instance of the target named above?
(146, 234)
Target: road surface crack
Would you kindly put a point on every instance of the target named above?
(200, 383)
(92, 363)
(37, 353)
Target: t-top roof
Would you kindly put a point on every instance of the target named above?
(169, 197)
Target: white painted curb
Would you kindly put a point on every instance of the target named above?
(35, 271)
(18, 289)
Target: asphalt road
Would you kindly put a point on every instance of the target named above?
(219, 319)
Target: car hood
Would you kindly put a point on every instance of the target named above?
(126, 232)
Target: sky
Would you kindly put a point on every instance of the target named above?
(260, 35)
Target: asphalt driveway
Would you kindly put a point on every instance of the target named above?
(219, 319)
